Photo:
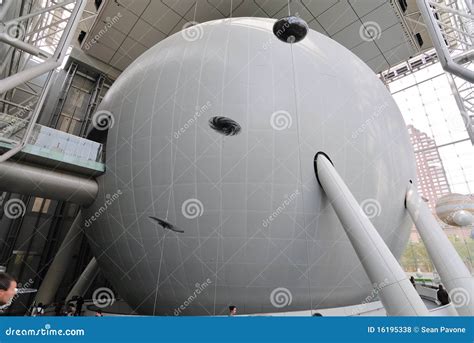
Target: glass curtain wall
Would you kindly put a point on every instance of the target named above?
(444, 156)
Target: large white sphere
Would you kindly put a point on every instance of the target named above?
(259, 231)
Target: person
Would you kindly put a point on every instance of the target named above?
(58, 308)
(99, 313)
(442, 295)
(79, 303)
(317, 314)
(412, 280)
(232, 310)
(7, 288)
(38, 310)
(71, 310)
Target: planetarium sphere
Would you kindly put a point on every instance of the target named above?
(210, 196)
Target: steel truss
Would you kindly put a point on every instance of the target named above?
(42, 35)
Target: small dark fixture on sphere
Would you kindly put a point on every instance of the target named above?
(225, 126)
(290, 29)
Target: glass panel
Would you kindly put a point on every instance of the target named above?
(72, 147)
(444, 157)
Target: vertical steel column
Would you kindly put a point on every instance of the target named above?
(61, 262)
(465, 103)
(91, 106)
(453, 272)
(85, 280)
(66, 86)
(397, 294)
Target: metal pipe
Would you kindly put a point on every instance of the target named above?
(43, 10)
(26, 91)
(42, 28)
(453, 30)
(469, 5)
(69, 30)
(15, 104)
(86, 76)
(397, 294)
(453, 272)
(31, 180)
(19, 44)
(34, 115)
(8, 140)
(4, 9)
(85, 280)
(465, 114)
(450, 10)
(26, 75)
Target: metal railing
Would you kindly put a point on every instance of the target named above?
(49, 143)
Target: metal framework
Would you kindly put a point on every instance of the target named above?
(66, 86)
(44, 34)
(408, 67)
(450, 24)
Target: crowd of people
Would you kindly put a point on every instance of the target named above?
(8, 290)
(72, 309)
